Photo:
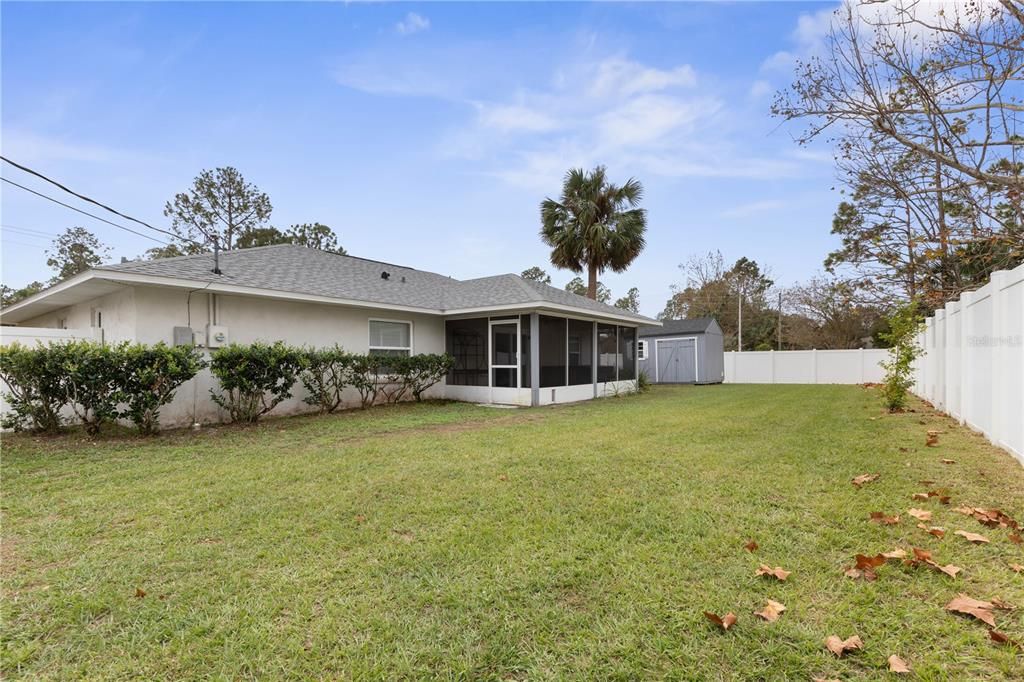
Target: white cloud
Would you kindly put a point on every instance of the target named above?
(809, 35)
(760, 88)
(650, 118)
(412, 23)
(515, 117)
(618, 76)
(753, 208)
(28, 147)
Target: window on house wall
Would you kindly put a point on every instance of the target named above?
(552, 351)
(607, 352)
(390, 338)
(466, 342)
(581, 352)
(641, 350)
(626, 356)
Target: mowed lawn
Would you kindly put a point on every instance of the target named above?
(461, 542)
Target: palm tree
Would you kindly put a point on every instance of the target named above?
(595, 225)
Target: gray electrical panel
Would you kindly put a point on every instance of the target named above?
(183, 336)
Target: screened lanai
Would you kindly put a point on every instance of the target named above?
(538, 359)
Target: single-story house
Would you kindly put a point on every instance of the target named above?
(514, 341)
(682, 351)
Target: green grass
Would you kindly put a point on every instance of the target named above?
(454, 541)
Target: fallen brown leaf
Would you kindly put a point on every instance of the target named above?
(750, 546)
(982, 610)
(971, 537)
(777, 572)
(1001, 638)
(969, 511)
(503, 477)
(922, 556)
(841, 646)
(857, 574)
(360, 518)
(864, 561)
(879, 517)
(994, 518)
(139, 593)
(725, 622)
(931, 439)
(1015, 538)
(1017, 568)
(920, 496)
(898, 665)
(771, 611)
(920, 514)
(858, 481)
(933, 530)
(948, 461)
(1002, 605)
(895, 554)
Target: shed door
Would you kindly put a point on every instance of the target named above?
(677, 361)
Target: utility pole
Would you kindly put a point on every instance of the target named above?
(739, 324)
(780, 320)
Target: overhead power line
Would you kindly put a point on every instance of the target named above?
(91, 215)
(83, 197)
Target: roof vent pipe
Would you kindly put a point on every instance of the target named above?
(216, 256)
(385, 275)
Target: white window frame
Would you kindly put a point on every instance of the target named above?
(641, 349)
(491, 322)
(412, 331)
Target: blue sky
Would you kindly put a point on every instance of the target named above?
(424, 134)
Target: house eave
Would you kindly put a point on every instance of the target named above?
(64, 294)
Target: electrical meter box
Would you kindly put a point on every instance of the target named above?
(216, 336)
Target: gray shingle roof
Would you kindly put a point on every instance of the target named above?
(695, 325)
(300, 270)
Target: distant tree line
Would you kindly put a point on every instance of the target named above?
(219, 208)
(924, 111)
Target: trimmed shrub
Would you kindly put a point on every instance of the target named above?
(92, 371)
(423, 371)
(368, 374)
(643, 382)
(37, 387)
(904, 325)
(149, 377)
(254, 379)
(326, 374)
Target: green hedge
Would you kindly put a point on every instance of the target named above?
(329, 371)
(254, 379)
(100, 383)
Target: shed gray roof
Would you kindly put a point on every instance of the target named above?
(695, 325)
(300, 270)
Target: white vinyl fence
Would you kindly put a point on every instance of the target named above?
(859, 366)
(973, 367)
(30, 336)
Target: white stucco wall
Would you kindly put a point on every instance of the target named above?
(250, 319)
(148, 314)
(118, 310)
